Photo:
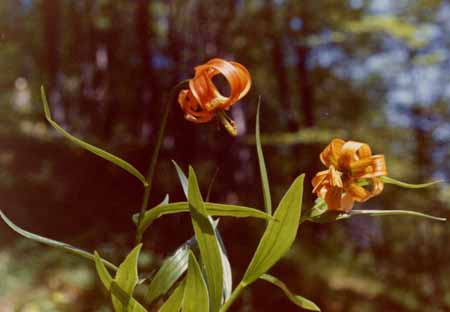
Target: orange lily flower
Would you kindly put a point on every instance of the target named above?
(203, 101)
(351, 167)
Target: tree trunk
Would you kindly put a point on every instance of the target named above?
(87, 34)
(113, 68)
(51, 12)
(305, 87)
(148, 90)
(424, 143)
(278, 65)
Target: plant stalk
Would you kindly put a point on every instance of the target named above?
(151, 170)
(234, 295)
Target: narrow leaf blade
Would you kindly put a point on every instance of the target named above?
(207, 242)
(319, 213)
(195, 292)
(182, 177)
(227, 273)
(117, 293)
(102, 272)
(298, 300)
(170, 271)
(53, 243)
(91, 148)
(262, 165)
(382, 213)
(213, 209)
(279, 235)
(127, 275)
(175, 301)
(389, 180)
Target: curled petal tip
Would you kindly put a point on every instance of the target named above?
(203, 100)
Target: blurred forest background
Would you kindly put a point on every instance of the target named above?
(376, 71)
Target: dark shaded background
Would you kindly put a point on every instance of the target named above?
(375, 71)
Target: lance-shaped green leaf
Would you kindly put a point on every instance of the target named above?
(213, 209)
(127, 277)
(319, 213)
(53, 243)
(91, 148)
(175, 301)
(182, 177)
(117, 293)
(195, 292)
(262, 165)
(298, 300)
(279, 235)
(389, 180)
(207, 243)
(135, 217)
(174, 266)
(165, 200)
(227, 274)
(169, 272)
(381, 213)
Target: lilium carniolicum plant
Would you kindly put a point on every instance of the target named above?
(198, 276)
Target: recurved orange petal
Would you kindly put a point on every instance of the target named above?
(192, 110)
(203, 101)
(319, 180)
(207, 94)
(347, 203)
(369, 167)
(333, 198)
(358, 192)
(352, 151)
(331, 153)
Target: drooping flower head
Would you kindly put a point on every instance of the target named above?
(352, 175)
(203, 101)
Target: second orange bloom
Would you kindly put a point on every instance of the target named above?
(351, 167)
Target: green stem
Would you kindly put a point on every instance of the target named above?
(234, 295)
(151, 170)
(213, 179)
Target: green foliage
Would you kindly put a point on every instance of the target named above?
(279, 235)
(196, 292)
(91, 148)
(52, 242)
(207, 242)
(319, 213)
(117, 293)
(262, 164)
(213, 209)
(389, 180)
(182, 178)
(175, 301)
(127, 277)
(170, 271)
(298, 300)
(227, 274)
